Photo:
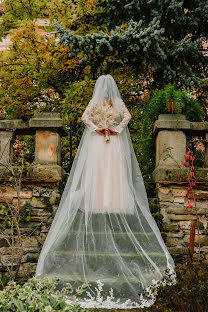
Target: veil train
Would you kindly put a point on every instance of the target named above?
(103, 232)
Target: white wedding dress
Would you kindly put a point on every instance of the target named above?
(103, 232)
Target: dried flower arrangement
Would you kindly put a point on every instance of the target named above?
(104, 117)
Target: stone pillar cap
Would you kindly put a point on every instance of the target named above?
(178, 122)
(171, 117)
(51, 121)
(41, 120)
(47, 115)
(46, 120)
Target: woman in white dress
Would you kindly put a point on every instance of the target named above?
(103, 229)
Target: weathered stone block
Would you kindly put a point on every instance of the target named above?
(170, 227)
(164, 190)
(37, 203)
(206, 152)
(187, 211)
(173, 142)
(29, 242)
(32, 249)
(9, 250)
(39, 219)
(47, 147)
(178, 250)
(46, 120)
(200, 194)
(171, 121)
(175, 235)
(165, 197)
(9, 191)
(46, 172)
(162, 174)
(30, 257)
(41, 238)
(163, 212)
(13, 124)
(25, 194)
(178, 192)
(28, 267)
(182, 217)
(8, 259)
(22, 202)
(36, 193)
(53, 196)
(203, 239)
(3, 241)
(6, 199)
(6, 152)
(38, 212)
(179, 200)
(164, 204)
(172, 242)
(202, 204)
(29, 225)
(44, 229)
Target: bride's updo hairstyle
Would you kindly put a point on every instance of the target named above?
(106, 90)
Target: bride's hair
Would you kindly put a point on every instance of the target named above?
(106, 90)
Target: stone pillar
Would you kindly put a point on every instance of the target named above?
(206, 152)
(39, 192)
(170, 148)
(170, 140)
(170, 176)
(47, 148)
(48, 143)
(6, 150)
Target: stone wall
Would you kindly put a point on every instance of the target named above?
(42, 198)
(39, 192)
(171, 186)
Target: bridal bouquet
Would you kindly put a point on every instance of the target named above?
(104, 117)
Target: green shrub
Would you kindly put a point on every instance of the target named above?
(158, 104)
(37, 295)
(189, 294)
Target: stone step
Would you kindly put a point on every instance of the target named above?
(105, 241)
(112, 222)
(103, 254)
(123, 286)
(92, 278)
(75, 262)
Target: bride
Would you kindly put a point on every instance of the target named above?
(103, 232)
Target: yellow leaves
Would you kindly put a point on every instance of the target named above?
(1, 54)
(63, 52)
(24, 82)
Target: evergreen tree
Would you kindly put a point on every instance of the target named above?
(164, 36)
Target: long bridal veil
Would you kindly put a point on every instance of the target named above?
(103, 231)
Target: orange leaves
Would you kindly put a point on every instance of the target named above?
(25, 82)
